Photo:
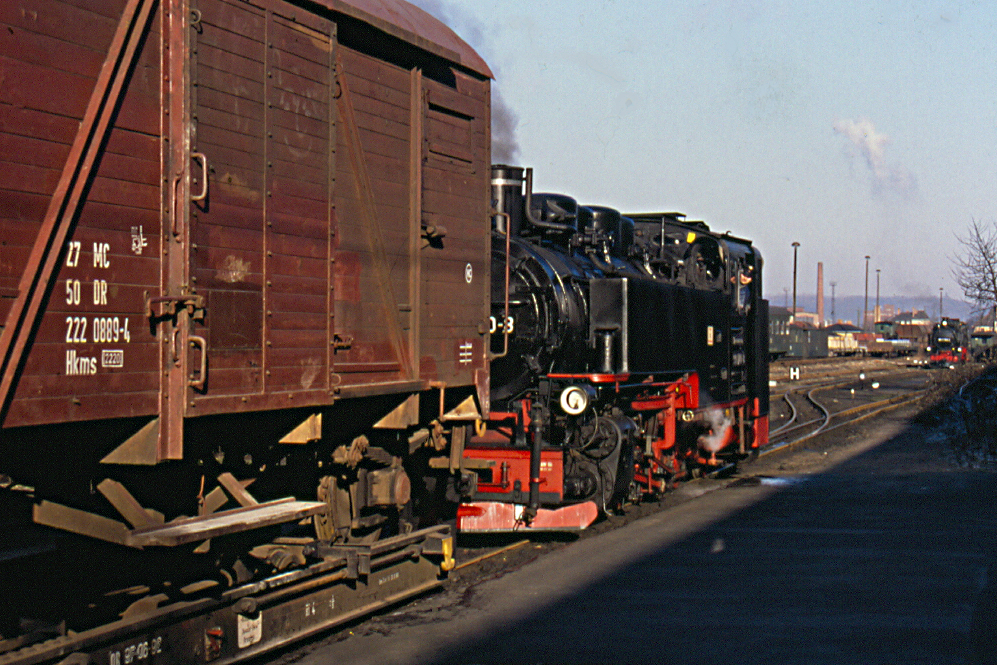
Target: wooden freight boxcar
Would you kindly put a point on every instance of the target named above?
(230, 227)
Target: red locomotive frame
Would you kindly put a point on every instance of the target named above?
(663, 464)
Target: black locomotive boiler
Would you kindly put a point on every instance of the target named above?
(627, 352)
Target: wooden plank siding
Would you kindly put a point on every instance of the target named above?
(261, 248)
(373, 255)
(325, 164)
(321, 238)
(299, 150)
(81, 365)
(456, 274)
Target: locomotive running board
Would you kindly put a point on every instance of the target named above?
(258, 617)
(498, 517)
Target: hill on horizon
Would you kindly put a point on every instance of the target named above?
(849, 308)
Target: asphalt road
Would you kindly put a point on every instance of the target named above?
(873, 550)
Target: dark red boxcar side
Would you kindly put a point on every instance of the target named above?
(224, 221)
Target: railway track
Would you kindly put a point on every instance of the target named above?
(814, 415)
(786, 436)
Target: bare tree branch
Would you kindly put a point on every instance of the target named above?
(975, 268)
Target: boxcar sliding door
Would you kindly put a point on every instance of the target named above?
(263, 119)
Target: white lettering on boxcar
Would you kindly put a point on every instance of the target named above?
(139, 241)
(73, 254)
(112, 358)
(100, 258)
(73, 292)
(76, 330)
(110, 329)
(100, 292)
(77, 365)
(141, 651)
(390, 577)
(105, 329)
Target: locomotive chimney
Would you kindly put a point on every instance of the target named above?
(507, 198)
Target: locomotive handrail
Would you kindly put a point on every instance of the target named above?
(505, 315)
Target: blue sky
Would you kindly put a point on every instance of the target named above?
(852, 128)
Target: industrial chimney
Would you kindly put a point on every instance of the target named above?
(820, 294)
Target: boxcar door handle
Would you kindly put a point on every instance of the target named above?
(201, 157)
(197, 340)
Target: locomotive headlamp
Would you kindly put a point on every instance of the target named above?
(576, 399)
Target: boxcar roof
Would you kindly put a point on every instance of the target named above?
(411, 24)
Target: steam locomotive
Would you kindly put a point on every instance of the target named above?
(627, 352)
(949, 342)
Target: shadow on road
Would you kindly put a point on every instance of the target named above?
(882, 559)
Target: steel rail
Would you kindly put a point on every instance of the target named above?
(788, 425)
(490, 554)
(820, 407)
(793, 413)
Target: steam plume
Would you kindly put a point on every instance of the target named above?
(871, 145)
(505, 149)
(720, 426)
